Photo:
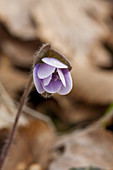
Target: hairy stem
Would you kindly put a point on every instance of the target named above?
(22, 102)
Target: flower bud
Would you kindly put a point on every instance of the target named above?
(51, 72)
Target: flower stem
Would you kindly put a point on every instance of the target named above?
(22, 102)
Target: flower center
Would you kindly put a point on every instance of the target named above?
(55, 76)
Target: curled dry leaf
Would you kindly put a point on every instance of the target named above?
(97, 86)
(16, 18)
(12, 79)
(101, 57)
(71, 27)
(19, 51)
(8, 110)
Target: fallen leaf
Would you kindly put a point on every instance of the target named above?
(16, 18)
(29, 139)
(12, 78)
(90, 147)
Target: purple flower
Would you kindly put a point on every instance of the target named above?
(52, 76)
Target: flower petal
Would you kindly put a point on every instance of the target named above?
(54, 62)
(61, 75)
(47, 80)
(45, 70)
(37, 81)
(65, 90)
(54, 85)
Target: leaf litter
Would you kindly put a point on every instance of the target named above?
(84, 35)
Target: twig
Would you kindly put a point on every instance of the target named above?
(40, 116)
(105, 118)
(102, 122)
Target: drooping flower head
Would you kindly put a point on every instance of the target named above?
(51, 73)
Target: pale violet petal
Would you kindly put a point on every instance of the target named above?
(54, 85)
(65, 90)
(54, 62)
(45, 70)
(37, 81)
(61, 75)
(47, 80)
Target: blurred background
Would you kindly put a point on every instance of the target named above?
(62, 132)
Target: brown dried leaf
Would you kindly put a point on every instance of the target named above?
(20, 52)
(100, 57)
(12, 79)
(92, 84)
(16, 17)
(75, 111)
(32, 144)
(91, 147)
(8, 111)
(35, 167)
(71, 27)
(33, 140)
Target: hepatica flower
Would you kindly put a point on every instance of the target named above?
(52, 76)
